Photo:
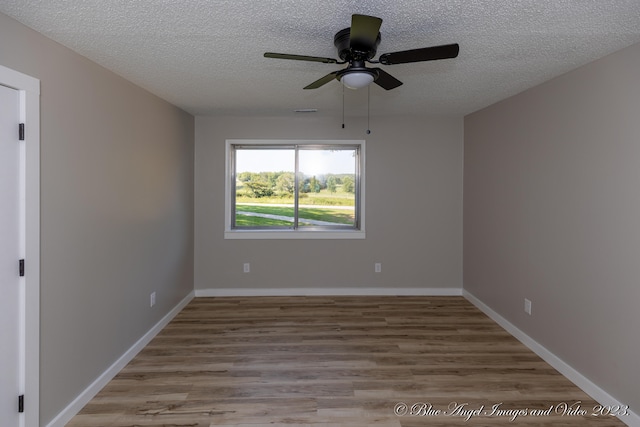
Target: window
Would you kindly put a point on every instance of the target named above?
(294, 189)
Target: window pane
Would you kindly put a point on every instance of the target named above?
(265, 187)
(327, 187)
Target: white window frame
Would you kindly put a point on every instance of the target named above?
(229, 184)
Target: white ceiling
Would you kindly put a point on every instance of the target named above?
(206, 55)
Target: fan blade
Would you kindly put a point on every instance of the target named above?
(385, 80)
(300, 57)
(323, 81)
(418, 55)
(364, 32)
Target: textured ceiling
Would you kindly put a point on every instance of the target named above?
(205, 56)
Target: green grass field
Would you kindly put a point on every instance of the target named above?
(341, 216)
(324, 200)
(256, 221)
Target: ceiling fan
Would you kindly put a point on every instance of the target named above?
(357, 45)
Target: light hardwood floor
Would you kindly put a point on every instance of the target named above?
(335, 361)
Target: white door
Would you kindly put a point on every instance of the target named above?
(11, 309)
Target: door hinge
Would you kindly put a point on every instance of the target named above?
(21, 131)
(21, 267)
(21, 403)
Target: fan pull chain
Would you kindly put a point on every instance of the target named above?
(368, 109)
(342, 106)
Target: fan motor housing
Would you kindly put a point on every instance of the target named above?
(347, 52)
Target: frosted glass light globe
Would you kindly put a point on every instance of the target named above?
(357, 79)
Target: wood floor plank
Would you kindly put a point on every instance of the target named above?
(335, 361)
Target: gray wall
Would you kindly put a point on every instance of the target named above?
(413, 209)
(552, 213)
(116, 211)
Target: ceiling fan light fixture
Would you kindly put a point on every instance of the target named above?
(358, 45)
(357, 79)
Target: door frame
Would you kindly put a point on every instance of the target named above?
(29, 94)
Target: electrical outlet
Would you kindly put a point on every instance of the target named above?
(152, 299)
(527, 306)
(246, 267)
(378, 267)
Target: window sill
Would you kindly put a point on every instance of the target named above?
(309, 235)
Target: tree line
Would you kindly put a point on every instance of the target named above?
(282, 184)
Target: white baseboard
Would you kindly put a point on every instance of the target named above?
(586, 385)
(83, 398)
(352, 291)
